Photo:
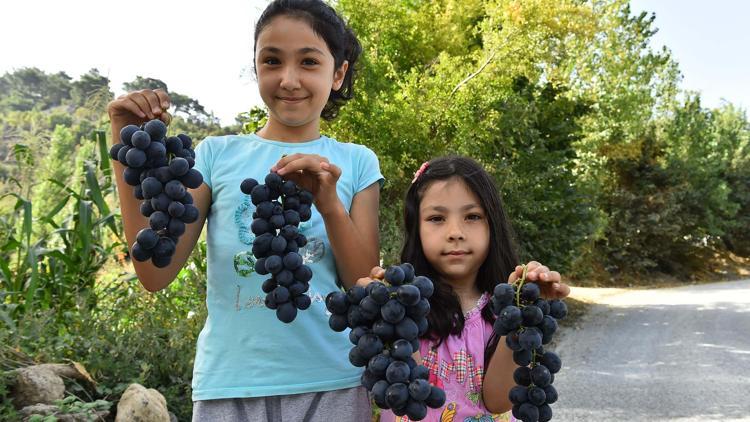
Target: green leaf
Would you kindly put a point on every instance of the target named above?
(10, 244)
(96, 195)
(100, 137)
(67, 189)
(31, 261)
(55, 210)
(59, 255)
(7, 275)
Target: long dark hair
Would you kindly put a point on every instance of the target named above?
(501, 257)
(327, 24)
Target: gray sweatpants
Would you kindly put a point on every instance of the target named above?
(349, 405)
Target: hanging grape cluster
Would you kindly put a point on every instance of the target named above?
(280, 206)
(160, 169)
(528, 322)
(386, 320)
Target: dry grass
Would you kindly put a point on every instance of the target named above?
(576, 310)
(721, 266)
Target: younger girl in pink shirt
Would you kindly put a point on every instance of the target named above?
(457, 233)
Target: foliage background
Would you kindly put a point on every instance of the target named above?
(610, 173)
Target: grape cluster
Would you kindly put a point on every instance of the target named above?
(528, 322)
(160, 168)
(278, 240)
(386, 321)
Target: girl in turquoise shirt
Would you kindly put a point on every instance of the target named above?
(249, 365)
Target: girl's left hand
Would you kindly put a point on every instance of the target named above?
(548, 281)
(314, 173)
(376, 273)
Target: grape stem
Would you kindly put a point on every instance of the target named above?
(520, 284)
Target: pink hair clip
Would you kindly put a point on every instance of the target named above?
(420, 171)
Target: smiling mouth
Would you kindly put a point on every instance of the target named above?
(292, 99)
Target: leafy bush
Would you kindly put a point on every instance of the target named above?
(131, 336)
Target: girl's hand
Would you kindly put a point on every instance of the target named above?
(314, 173)
(139, 107)
(548, 281)
(376, 273)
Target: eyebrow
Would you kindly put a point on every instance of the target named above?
(441, 208)
(303, 50)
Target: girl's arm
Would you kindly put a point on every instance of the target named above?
(353, 235)
(498, 379)
(137, 108)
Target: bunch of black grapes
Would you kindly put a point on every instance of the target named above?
(386, 321)
(280, 206)
(528, 322)
(160, 168)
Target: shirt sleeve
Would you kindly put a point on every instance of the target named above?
(369, 170)
(204, 160)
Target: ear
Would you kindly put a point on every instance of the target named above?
(338, 75)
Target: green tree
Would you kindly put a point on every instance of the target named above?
(184, 106)
(651, 220)
(427, 92)
(28, 88)
(731, 151)
(91, 87)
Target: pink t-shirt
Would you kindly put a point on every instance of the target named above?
(457, 366)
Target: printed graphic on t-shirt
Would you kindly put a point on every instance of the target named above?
(244, 261)
(449, 415)
(462, 367)
(463, 370)
(313, 251)
(251, 302)
(243, 217)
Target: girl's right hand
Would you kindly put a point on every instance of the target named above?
(139, 107)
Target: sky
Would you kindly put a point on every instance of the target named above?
(711, 42)
(199, 49)
(204, 50)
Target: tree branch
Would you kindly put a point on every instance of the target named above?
(470, 77)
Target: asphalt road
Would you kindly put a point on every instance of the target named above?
(676, 354)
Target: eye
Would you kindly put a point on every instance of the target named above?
(474, 217)
(271, 61)
(435, 218)
(309, 62)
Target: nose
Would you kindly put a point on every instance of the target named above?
(289, 79)
(455, 231)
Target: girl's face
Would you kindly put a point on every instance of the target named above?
(295, 71)
(454, 230)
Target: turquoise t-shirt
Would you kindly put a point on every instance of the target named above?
(243, 349)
